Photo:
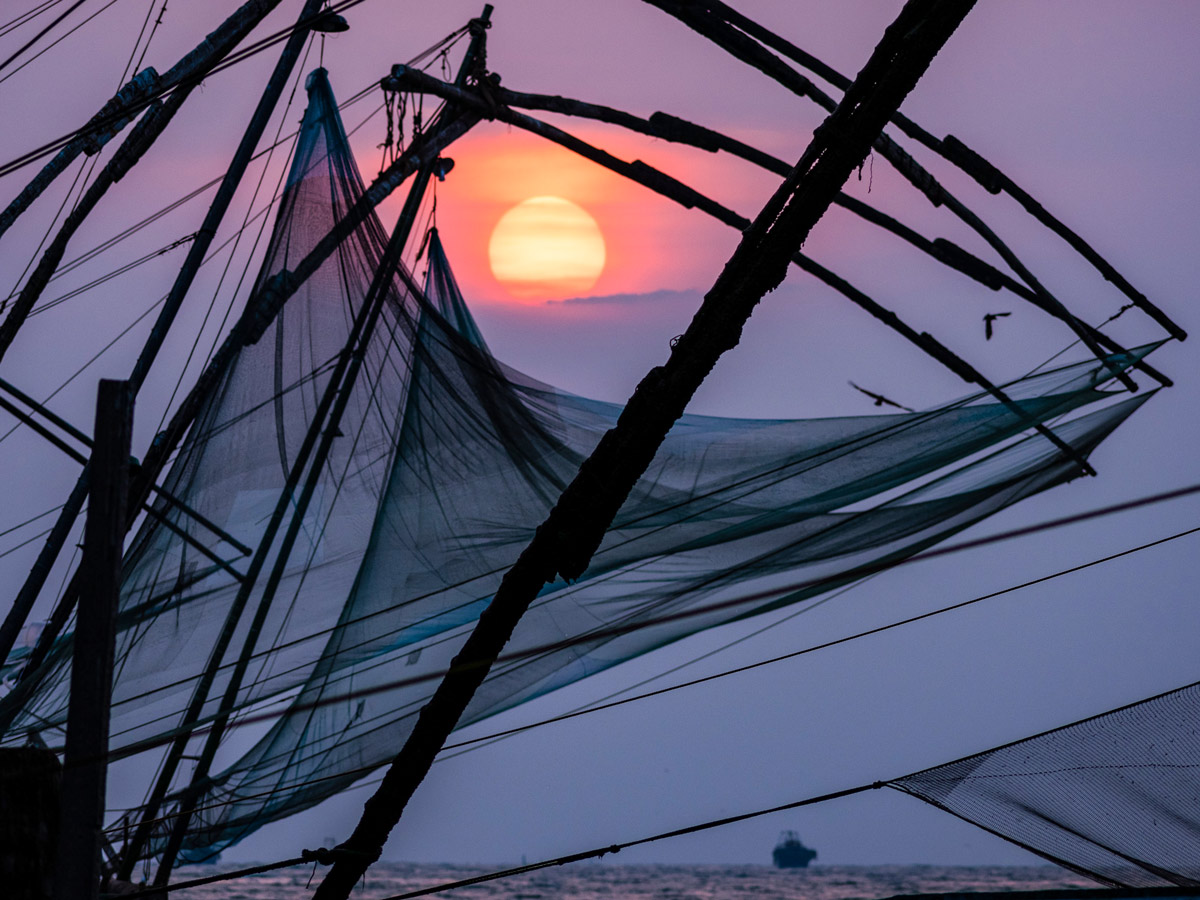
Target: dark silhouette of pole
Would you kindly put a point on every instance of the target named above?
(135, 95)
(81, 821)
(563, 545)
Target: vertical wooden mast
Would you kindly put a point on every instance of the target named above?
(81, 823)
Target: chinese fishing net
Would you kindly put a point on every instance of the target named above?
(1114, 797)
(444, 462)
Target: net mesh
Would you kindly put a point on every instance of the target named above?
(446, 462)
(1114, 797)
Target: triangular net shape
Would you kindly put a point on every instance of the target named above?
(233, 466)
(1113, 797)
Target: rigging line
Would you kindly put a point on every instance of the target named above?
(1120, 312)
(16, 288)
(185, 82)
(487, 740)
(108, 244)
(171, 207)
(1024, 531)
(467, 746)
(827, 644)
(41, 34)
(28, 16)
(153, 31)
(40, 534)
(109, 276)
(57, 41)
(618, 847)
(137, 42)
(13, 528)
(311, 637)
(373, 384)
(326, 857)
(128, 328)
(591, 581)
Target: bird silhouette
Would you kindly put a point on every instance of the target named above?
(988, 319)
(879, 399)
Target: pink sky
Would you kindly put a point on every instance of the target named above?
(1089, 105)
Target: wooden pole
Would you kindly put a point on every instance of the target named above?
(564, 543)
(664, 184)
(954, 150)
(84, 759)
(135, 95)
(739, 45)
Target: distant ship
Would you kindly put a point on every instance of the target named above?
(789, 853)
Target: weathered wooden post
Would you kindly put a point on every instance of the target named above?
(30, 780)
(77, 871)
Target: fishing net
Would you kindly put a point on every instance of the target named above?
(176, 600)
(446, 461)
(1114, 797)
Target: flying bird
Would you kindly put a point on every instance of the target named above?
(988, 319)
(879, 399)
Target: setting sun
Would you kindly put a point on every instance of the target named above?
(546, 247)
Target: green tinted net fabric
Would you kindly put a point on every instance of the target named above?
(232, 469)
(446, 462)
(1115, 797)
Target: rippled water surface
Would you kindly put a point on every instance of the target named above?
(651, 882)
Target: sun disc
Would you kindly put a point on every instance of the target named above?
(546, 247)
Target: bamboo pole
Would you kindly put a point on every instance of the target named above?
(672, 128)
(135, 96)
(325, 427)
(564, 543)
(254, 320)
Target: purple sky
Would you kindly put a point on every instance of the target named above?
(1088, 105)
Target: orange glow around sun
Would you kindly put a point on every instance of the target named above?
(642, 242)
(546, 247)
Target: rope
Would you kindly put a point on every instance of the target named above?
(50, 46)
(28, 16)
(324, 856)
(41, 34)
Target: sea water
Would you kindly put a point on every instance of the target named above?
(613, 881)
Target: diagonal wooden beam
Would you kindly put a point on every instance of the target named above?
(564, 543)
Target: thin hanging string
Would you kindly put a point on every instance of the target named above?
(1120, 312)
(157, 22)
